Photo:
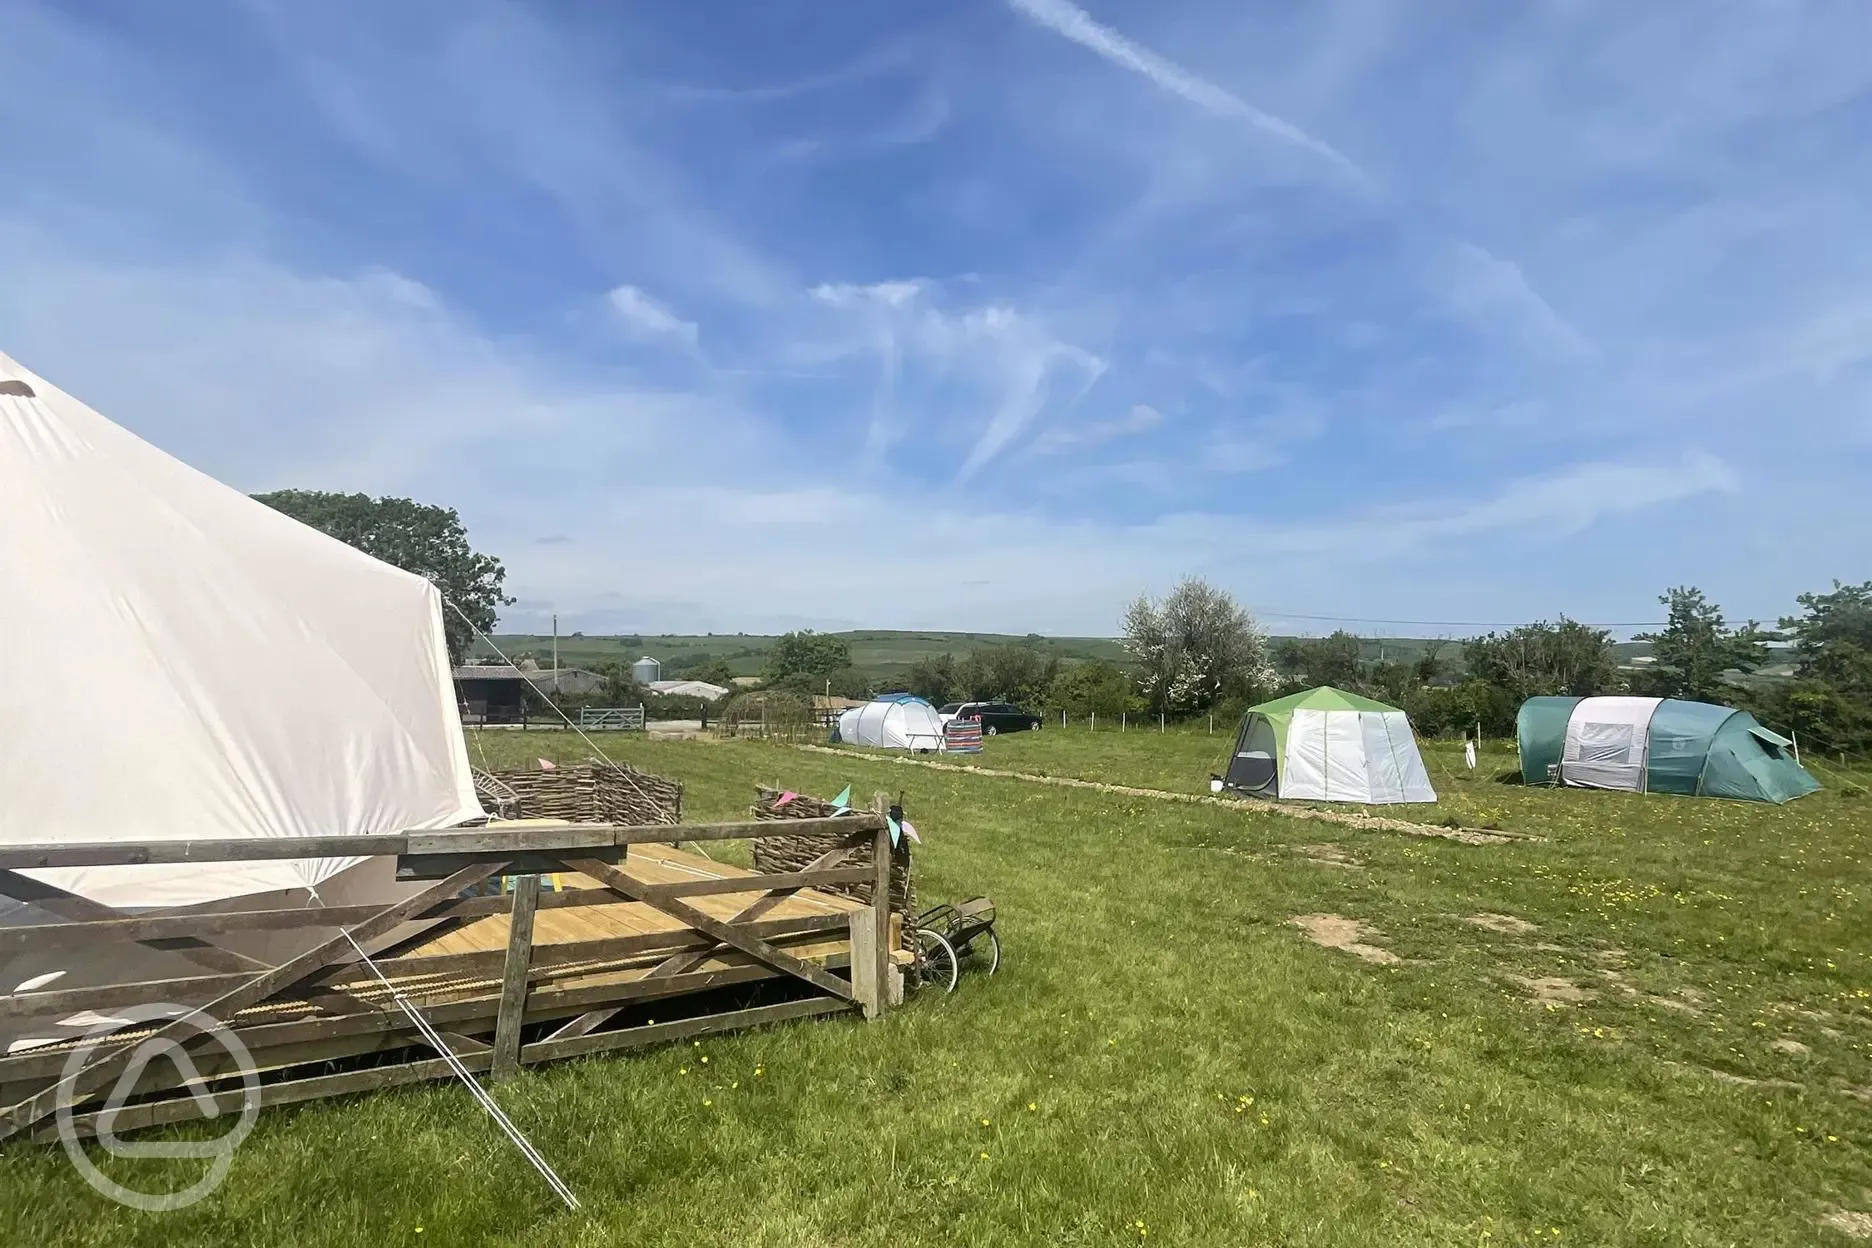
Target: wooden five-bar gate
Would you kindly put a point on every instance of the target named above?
(509, 973)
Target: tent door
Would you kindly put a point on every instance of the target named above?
(1253, 769)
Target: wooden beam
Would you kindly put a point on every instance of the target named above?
(514, 978)
(790, 881)
(258, 988)
(547, 838)
(187, 1109)
(876, 967)
(56, 901)
(663, 1033)
(737, 938)
(755, 909)
(68, 936)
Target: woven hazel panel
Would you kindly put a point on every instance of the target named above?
(775, 854)
(595, 793)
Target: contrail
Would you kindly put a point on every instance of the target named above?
(1067, 19)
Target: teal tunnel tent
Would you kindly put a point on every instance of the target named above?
(1657, 745)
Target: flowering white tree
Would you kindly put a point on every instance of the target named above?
(1196, 647)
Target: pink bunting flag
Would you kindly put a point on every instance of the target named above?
(784, 798)
(911, 832)
(546, 764)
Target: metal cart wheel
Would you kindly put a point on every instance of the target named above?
(936, 961)
(994, 951)
(991, 730)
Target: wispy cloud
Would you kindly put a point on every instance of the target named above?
(1494, 295)
(643, 315)
(1142, 418)
(1074, 23)
(364, 258)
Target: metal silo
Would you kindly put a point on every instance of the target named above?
(645, 670)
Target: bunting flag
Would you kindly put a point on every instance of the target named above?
(843, 800)
(896, 832)
(546, 764)
(784, 798)
(911, 833)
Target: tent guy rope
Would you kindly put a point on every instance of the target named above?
(482, 1097)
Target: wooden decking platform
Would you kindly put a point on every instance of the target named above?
(653, 864)
(518, 942)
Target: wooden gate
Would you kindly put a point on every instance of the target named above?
(509, 971)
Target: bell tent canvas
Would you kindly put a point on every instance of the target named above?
(897, 721)
(205, 667)
(1327, 745)
(1657, 745)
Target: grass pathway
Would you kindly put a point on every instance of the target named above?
(1348, 818)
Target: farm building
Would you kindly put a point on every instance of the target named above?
(497, 693)
(1657, 745)
(688, 689)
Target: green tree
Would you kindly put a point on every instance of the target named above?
(936, 679)
(1094, 687)
(712, 671)
(1696, 650)
(1544, 659)
(1829, 702)
(806, 660)
(417, 537)
(1195, 648)
(1332, 660)
(1016, 673)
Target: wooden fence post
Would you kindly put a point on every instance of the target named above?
(506, 1058)
(877, 966)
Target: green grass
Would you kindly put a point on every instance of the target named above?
(1096, 1092)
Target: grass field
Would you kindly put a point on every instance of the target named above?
(1166, 1058)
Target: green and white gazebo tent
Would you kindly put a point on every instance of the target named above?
(1326, 745)
(1657, 745)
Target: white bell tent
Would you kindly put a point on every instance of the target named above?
(898, 721)
(201, 666)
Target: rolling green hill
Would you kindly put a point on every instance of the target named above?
(879, 651)
(886, 652)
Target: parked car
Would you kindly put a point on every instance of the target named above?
(995, 717)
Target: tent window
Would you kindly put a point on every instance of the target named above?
(1605, 743)
(1769, 742)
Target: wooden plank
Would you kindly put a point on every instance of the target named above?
(586, 1023)
(514, 978)
(414, 867)
(755, 909)
(57, 901)
(663, 1033)
(81, 933)
(738, 938)
(258, 988)
(187, 1109)
(249, 849)
(877, 966)
(511, 840)
(791, 881)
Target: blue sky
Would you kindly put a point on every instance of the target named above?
(988, 313)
